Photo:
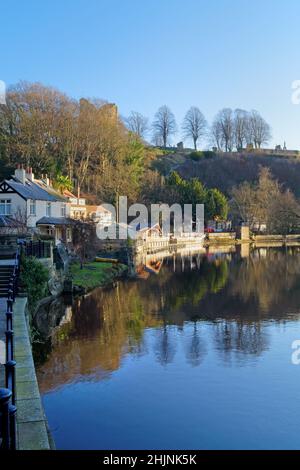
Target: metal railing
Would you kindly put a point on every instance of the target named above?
(8, 395)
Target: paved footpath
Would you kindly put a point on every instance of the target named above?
(31, 422)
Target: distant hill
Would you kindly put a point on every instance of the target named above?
(226, 170)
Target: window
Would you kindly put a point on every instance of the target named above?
(63, 210)
(48, 209)
(32, 207)
(5, 207)
(69, 234)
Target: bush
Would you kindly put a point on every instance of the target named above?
(192, 191)
(200, 155)
(34, 278)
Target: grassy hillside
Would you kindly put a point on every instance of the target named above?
(225, 171)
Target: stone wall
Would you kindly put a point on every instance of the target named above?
(31, 422)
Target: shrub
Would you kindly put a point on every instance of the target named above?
(34, 278)
(200, 155)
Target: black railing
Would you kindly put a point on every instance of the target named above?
(8, 395)
(38, 249)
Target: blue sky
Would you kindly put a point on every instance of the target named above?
(142, 54)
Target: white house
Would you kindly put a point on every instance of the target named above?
(100, 215)
(36, 204)
(78, 207)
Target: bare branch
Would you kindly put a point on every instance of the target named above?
(194, 125)
(164, 125)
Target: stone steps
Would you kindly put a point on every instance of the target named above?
(5, 275)
(4, 283)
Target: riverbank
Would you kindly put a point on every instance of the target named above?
(234, 239)
(94, 274)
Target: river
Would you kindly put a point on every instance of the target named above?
(195, 356)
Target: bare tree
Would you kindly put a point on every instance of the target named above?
(259, 130)
(157, 140)
(32, 122)
(285, 214)
(194, 125)
(244, 203)
(21, 218)
(17, 223)
(164, 125)
(216, 134)
(84, 238)
(137, 123)
(241, 128)
(224, 125)
(266, 203)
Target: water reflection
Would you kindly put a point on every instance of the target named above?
(234, 341)
(231, 292)
(195, 348)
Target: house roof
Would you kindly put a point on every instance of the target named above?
(36, 190)
(98, 208)
(146, 227)
(55, 221)
(51, 191)
(68, 194)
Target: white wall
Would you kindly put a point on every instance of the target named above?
(20, 206)
(41, 211)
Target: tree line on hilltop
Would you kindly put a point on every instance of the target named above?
(230, 129)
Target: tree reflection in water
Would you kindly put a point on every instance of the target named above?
(165, 346)
(234, 340)
(195, 347)
(234, 295)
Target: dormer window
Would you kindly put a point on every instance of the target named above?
(48, 209)
(5, 207)
(32, 207)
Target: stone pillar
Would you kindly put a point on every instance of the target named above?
(243, 233)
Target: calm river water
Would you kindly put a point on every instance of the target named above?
(197, 356)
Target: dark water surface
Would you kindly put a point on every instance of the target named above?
(199, 358)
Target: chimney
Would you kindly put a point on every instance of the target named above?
(20, 174)
(47, 180)
(78, 192)
(29, 174)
